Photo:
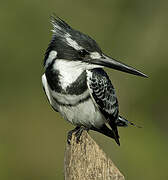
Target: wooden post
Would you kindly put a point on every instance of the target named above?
(86, 161)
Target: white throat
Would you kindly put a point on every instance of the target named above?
(70, 70)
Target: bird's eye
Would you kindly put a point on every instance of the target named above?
(83, 52)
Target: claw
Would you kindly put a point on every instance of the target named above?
(78, 132)
(69, 136)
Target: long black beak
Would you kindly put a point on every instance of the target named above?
(114, 64)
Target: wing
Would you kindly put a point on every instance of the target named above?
(103, 93)
(47, 92)
(104, 97)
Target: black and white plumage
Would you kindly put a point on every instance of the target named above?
(76, 84)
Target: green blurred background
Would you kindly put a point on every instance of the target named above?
(33, 136)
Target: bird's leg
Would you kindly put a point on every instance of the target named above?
(78, 133)
(69, 137)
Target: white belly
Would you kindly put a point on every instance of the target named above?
(85, 114)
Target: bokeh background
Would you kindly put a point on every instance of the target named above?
(33, 136)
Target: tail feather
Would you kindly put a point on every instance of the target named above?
(116, 136)
(115, 131)
(108, 132)
(122, 122)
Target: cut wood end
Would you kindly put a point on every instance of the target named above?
(86, 161)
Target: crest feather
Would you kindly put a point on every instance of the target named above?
(60, 27)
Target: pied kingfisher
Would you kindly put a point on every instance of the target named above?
(77, 86)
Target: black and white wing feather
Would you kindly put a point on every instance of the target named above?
(103, 93)
(104, 97)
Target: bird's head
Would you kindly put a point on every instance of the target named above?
(72, 45)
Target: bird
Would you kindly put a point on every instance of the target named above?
(76, 84)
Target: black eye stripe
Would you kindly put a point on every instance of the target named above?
(83, 52)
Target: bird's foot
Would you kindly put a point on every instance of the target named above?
(78, 132)
(69, 137)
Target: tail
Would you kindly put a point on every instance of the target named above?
(108, 132)
(122, 122)
(113, 132)
(114, 129)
